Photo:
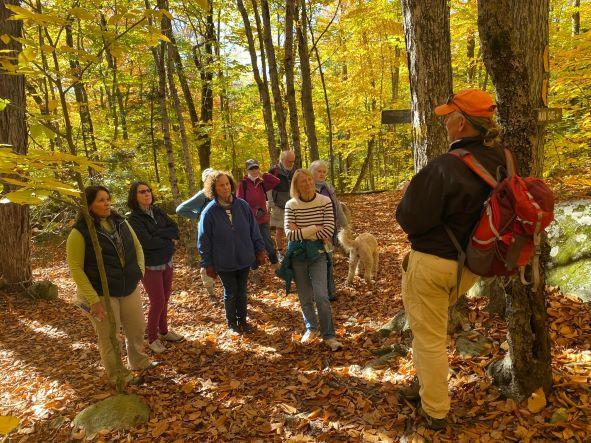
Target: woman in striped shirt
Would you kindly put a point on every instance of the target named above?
(309, 223)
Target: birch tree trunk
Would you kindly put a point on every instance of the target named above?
(426, 32)
(15, 241)
(514, 40)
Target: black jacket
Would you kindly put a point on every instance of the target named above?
(447, 192)
(155, 235)
(122, 279)
(281, 191)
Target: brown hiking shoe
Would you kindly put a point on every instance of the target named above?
(435, 424)
(410, 392)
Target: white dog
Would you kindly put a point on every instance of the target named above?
(363, 254)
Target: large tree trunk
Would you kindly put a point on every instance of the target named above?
(426, 32)
(263, 91)
(291, 12)
(395, 74)
(15, 241)
(274, 76)
(206, 75)
(307, 105)
(514, 40)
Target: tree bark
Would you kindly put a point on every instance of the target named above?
(291, 12)
(470, 47)
(307, 104)
(514, 40)
(395, 74)
(263, 91)
(176, 103)
(426, 32)
(274, 75)
(82, 101)
(15, 241)
(206, 75)
(576, 17)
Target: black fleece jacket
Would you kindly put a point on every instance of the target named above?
(155, 235)
(447, 192)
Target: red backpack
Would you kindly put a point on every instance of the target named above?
(508, 235)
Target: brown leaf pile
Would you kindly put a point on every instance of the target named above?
(268, 387)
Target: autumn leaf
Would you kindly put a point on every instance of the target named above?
(537, 401)
(8, 423)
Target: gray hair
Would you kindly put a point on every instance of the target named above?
(316, 164)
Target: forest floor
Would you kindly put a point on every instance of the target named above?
(266, 386)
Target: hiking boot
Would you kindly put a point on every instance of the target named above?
(435, 424)
(234, 328)
(410, 392)
(172, 336)
(157, 346)
(333, 344)
(244, 327)
(308, 337)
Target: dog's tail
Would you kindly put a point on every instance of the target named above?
(346, 239)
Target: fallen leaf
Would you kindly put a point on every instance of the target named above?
(8, 423)
(537, 401)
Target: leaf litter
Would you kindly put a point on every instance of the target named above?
(266, 386)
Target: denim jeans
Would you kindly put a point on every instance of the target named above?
(331, 285)
(234, 283)
(269, 244)
(310, 279)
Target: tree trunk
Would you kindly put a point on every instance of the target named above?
(395, 74)
(307, 105)
(291, 12)
(426, 32)
(152, 138)
(112, 62)
(470, 47)
(15, 241)
(206, 75)
(576, 17)
(514, 40)
(327, 105)
(365, 166)
(176, 103)
(263, 91)
(273, 75)
(159, 54)
(82, 101)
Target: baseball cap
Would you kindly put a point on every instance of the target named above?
(473, 102)
(205, 173)
(252, 163)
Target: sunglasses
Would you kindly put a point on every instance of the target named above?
(144, 191)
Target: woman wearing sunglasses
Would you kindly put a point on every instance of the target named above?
(158, 234)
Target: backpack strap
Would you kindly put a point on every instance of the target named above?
(244, 186)
(471, 161)
(461, 259)
(510, 162)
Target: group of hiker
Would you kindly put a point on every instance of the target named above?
(439, 210)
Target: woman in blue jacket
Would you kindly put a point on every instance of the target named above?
(229, 243)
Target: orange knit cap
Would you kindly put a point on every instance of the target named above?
(473, 102)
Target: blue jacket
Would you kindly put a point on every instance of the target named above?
(228, 246)
(193, 207)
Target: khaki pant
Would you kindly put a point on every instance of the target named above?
(129, 315)
(428, 289)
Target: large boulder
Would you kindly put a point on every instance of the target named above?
(120, 411)
(569, 237)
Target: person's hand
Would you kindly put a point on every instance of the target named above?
(260, 258)
(175, 242)
(319, 228)
(210, 272)
(270, 205)
(292, 226)
(97, 311)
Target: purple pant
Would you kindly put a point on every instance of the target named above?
(158, 285)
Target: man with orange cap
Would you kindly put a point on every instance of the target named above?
(444, 195)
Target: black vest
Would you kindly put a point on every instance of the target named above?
(122, 280)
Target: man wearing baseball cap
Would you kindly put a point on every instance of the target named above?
(444, 194)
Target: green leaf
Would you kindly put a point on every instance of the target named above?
(81, 13)
(24, 197)
(4, 102)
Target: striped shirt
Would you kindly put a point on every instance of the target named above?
(307, 216)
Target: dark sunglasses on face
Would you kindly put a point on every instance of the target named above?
(144, 191)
